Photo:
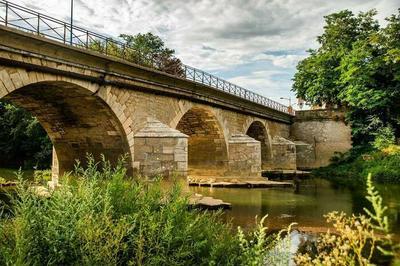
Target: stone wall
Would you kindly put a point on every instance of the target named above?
(283, 154)
(160, 150)
(325, 130)
(305, 155)
(244, 156)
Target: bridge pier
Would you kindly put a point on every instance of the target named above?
(244, 156)
(161, 150)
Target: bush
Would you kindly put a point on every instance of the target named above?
(42, 176)
(104, 218)
(384, 137)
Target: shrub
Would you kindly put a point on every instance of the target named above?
(384, 137)
(101, 217)
(42, 176)
(383, 165)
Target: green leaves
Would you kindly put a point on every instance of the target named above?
(23, 141)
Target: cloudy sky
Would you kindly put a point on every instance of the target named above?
(253, 43)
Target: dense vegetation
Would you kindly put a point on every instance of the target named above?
(357, 66)
(351, 168)
(102, 217)
(23, 141)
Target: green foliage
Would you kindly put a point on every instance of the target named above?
(23, 141)
(101, 217)
(350, 168)
(260, 249)
(42, 176)
(384, 137)
(145, 49)
(356, 66)
(358, 239)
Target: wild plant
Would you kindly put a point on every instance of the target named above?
(356, 239)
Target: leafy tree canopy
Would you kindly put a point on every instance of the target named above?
(23, 141)
(357, 66)
(145, 49)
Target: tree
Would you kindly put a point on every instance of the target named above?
(144, 49)
(356, 66)
(23, 141)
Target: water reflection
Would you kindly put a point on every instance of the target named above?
(305, 205)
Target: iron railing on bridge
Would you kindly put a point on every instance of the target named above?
(16, 16)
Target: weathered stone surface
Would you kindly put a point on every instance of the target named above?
(244, 156)
(160, 150)
(305, 154)
(283, 153)
(209, 203)
(325, 130)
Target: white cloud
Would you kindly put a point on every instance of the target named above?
(222, 36)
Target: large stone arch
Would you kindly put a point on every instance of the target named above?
(258, 131)
(76, 119)
(207, 145)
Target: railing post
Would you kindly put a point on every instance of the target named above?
(194, 74)
(65, 33)
(38, 25)
(6, 17)
(87, 39)
(106, 50)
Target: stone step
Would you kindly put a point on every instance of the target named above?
(209, 203)
(243, 184)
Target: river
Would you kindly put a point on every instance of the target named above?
(304, 206)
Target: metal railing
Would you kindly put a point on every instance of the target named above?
(22, 18)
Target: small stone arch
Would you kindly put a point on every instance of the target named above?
(76, 119)
(257, 130)
(207, 145)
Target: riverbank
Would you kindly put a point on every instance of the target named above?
(352, 168)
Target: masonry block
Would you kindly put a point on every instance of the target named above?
(162, 150)
(283, 154)
(244, 156)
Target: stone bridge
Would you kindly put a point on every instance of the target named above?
(91, 103)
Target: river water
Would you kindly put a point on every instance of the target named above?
(305, 205)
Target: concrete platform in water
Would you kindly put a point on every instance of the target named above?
(285, 174)
(239, 183)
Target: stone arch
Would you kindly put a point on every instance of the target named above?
(207, 146)
(257, 130)
(75, 118)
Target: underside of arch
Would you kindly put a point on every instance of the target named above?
(258, 132)
(207, 148)
(77, 122)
